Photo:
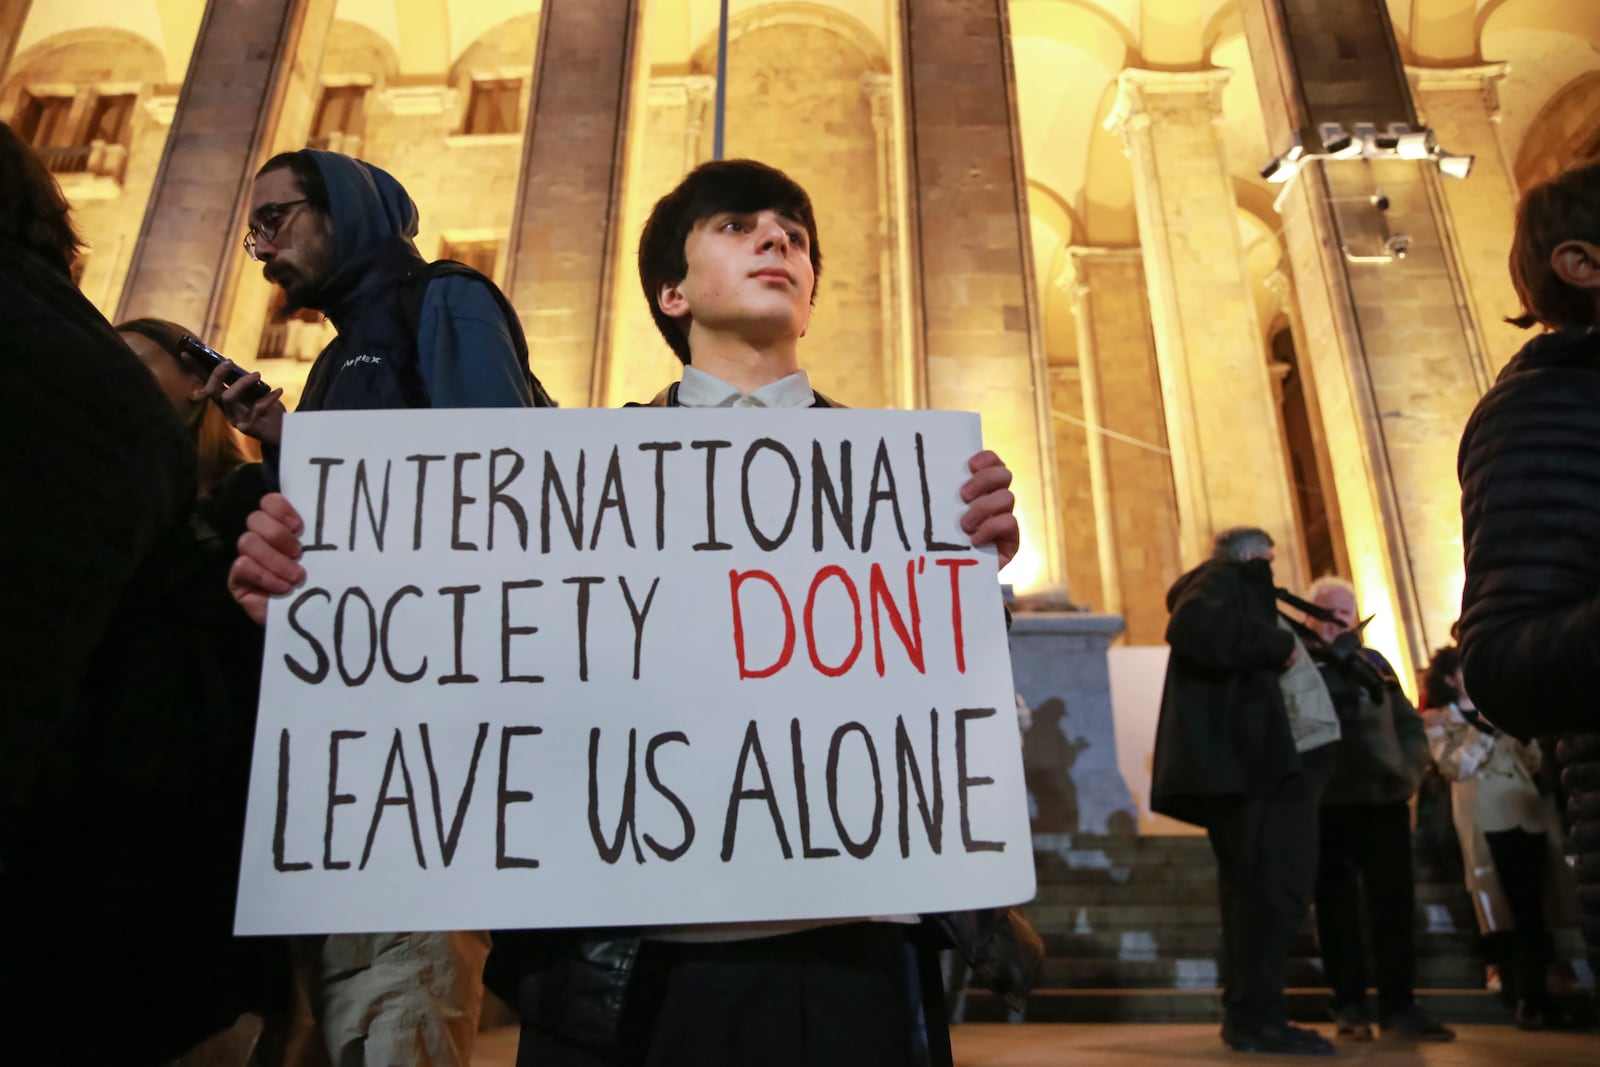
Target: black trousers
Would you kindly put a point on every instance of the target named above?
(839, 995)
(1366, 857)
(1266, 848)
(1519, 862)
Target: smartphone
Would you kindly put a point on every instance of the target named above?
(207, 359)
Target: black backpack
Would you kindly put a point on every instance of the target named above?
(414, 286)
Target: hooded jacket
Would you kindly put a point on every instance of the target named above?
(462, 355)
(1223, 730)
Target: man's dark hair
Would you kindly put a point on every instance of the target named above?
(1565, 208)
(306, 174)
(1438, 689)
(1240, 543)
(739, 185)
(33, 213)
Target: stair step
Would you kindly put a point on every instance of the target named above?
(1200, 972)
(1141, 890)
(1453, 917)
(1160, 942)
(1054, 1005)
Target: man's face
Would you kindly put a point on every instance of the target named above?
(749, 275)
(296, 247)
(1343, 607)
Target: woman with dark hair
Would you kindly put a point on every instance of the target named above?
(221, 449)
(123, 747)
(1512, 851)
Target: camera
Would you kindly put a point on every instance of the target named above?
(1344, 653)
(1398, 246)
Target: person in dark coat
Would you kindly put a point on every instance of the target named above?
(125, 752)
(1225, 759)
(1530, 470)
(1365, 842)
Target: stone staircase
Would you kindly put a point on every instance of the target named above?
(1131, 927)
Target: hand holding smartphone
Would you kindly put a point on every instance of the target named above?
(207, 359)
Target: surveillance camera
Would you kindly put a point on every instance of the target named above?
(1380, 200)
(1398, 246)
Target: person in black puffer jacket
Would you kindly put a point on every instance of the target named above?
(1530, 506)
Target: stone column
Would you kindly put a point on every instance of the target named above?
(1135, 503)
(251, 89)
(980, 337)
(1390, 342)
(1462, 105)
(1222, 422)
(13, 16)
(564, 232)
(879, 91)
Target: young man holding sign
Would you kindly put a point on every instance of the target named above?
(729, 262)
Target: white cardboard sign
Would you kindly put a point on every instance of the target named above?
(592, 668)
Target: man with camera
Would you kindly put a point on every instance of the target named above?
(1243, 746)
(1366, 827)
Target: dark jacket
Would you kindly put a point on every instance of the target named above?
(1530, 522)
(1223, 731)
(1382, 746)
(1530, 609)
(461, 353)
(125, 687)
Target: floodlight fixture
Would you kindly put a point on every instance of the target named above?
(1452, 165)
(1337, 143)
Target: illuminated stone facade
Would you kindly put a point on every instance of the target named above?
(1046, 210)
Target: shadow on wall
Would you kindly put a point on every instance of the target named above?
(1048, 756)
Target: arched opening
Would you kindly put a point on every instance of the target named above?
(1297, 415)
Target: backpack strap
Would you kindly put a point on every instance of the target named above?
(414, 289)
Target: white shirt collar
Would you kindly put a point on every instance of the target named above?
(701, 390)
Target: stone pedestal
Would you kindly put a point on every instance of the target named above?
(1069, 751)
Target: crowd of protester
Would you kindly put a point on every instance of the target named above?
(154, 539)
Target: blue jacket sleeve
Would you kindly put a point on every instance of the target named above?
(464, 349)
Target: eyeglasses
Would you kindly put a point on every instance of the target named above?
(269, 217)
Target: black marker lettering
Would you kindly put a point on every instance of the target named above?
(335, 798)
(507, 631)
(661, 448)
(313, 675)
(498, 497)
(963, 716)
(422, 462)
(752, 743)
(447, 842)
(668, 854)
(407, 800)
(504, 798)
(460, 594)
(377, 523)
(326, 463)
(280, 823)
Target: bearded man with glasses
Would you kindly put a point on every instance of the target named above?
(335, 234)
